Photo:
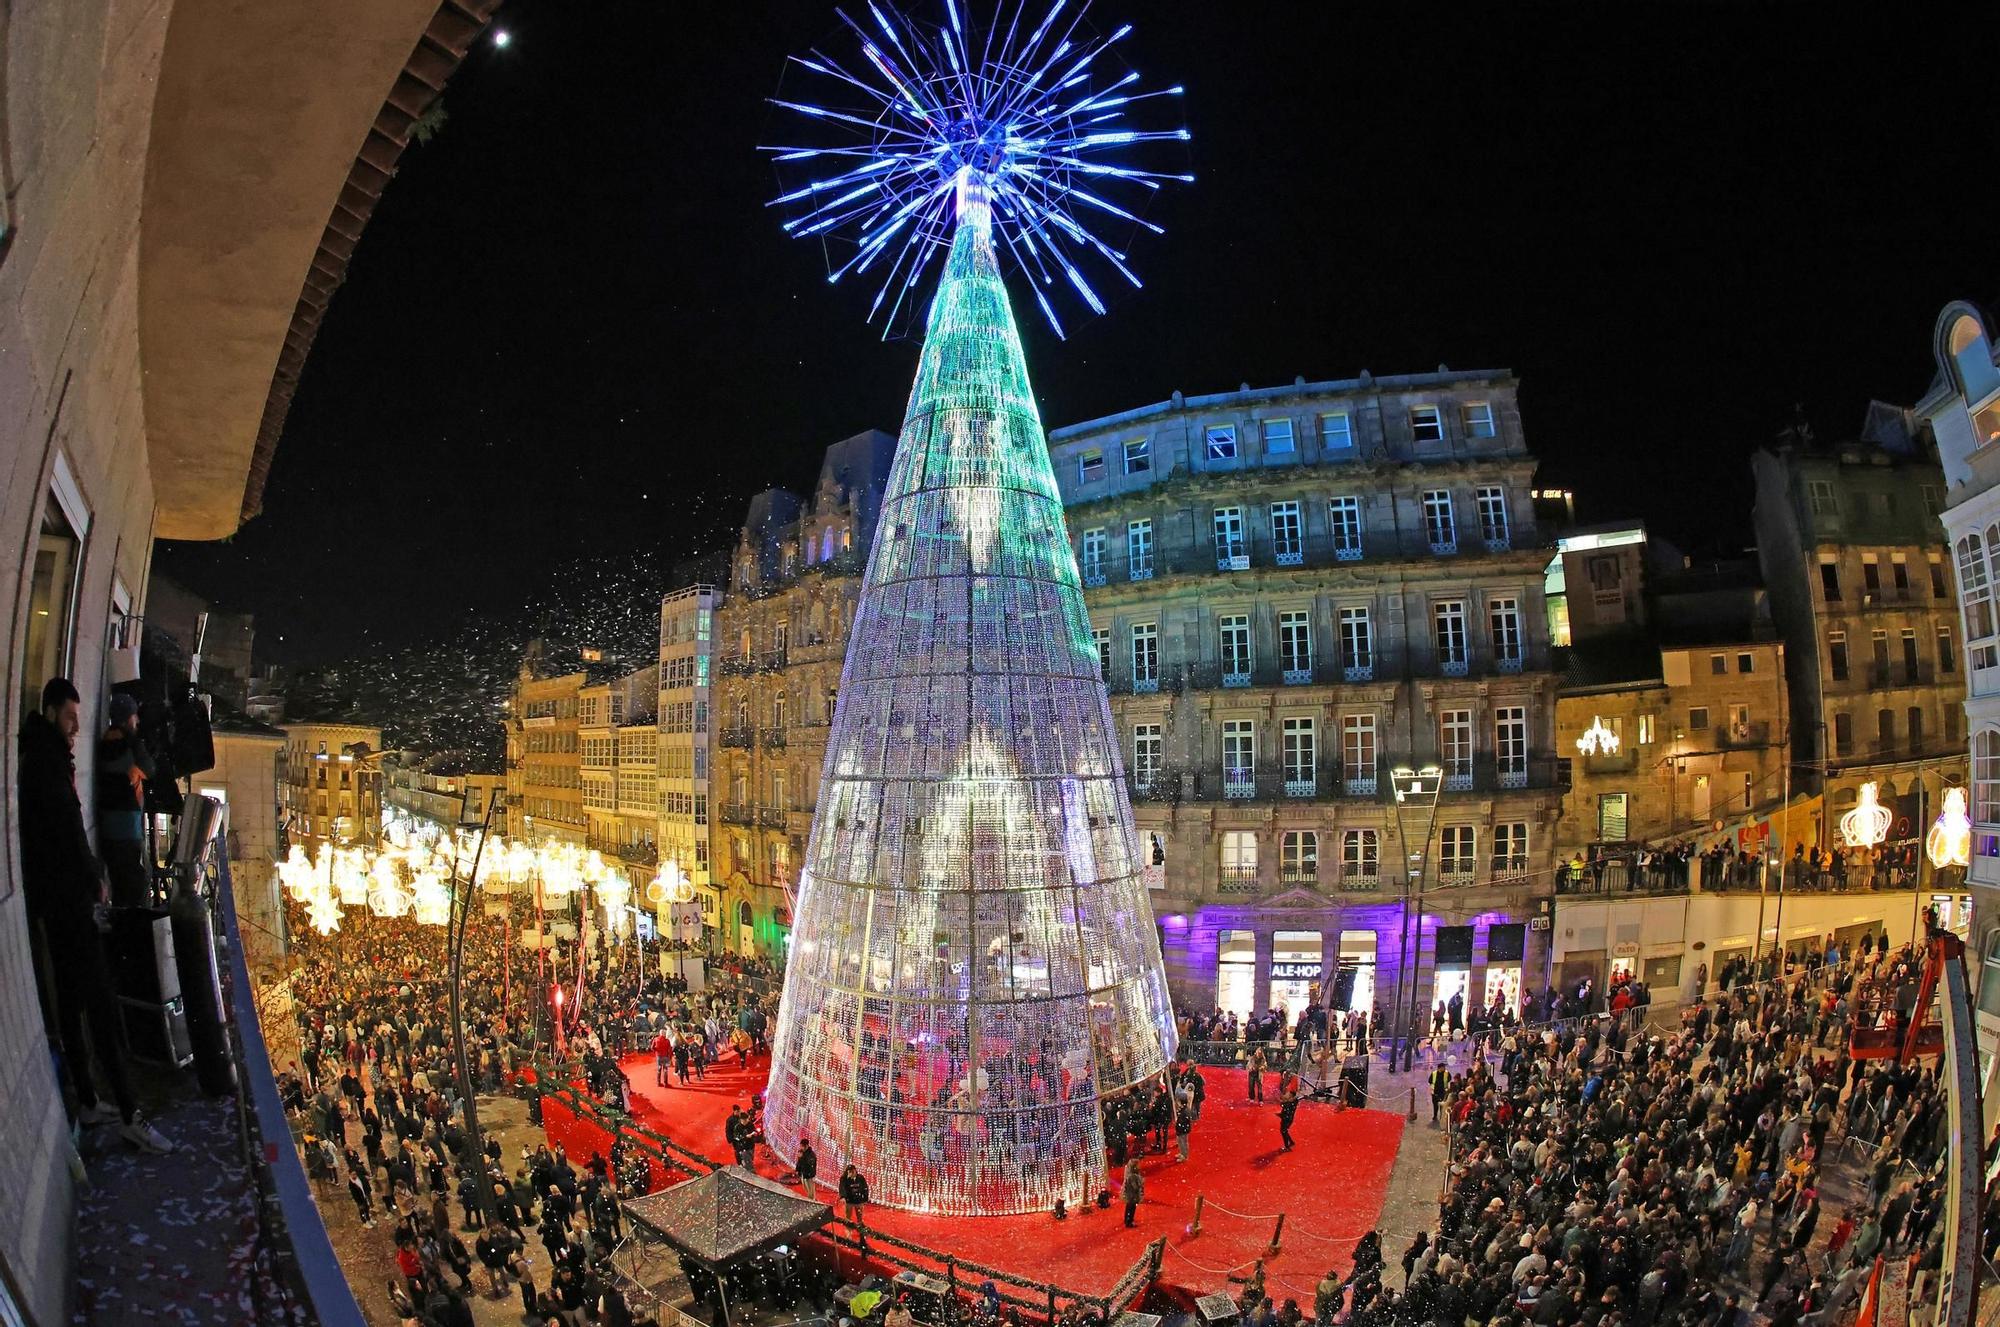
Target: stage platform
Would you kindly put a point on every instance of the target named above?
(1330, 1188)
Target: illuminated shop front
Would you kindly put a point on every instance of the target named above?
(1454, 969)
(1236, 973)
(1354, 979)
(1296, 967)
(1506, 945)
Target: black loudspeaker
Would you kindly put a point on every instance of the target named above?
(1343, 987)
(194, 949)
(142, 955)
(158, 1032)
(1354, 1082)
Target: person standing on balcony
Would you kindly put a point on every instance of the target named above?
(122, 770)
(65, 894)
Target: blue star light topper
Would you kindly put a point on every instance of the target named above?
(1027, 115)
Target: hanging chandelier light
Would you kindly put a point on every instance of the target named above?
(323, 911)
(1868, 823)
(429, 899)
(669, 885)
(386, 895)
(350, 878)
(1949, 842)
(1598, 739)
(613, 892)
(295, 874)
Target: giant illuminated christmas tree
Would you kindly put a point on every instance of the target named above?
(973, 961)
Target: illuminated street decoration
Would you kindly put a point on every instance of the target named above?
(1949, 842)
(973, 960)
(1598, 740)
(1868, 823)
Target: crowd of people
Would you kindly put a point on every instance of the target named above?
(1611, 1173)
(1726, 864)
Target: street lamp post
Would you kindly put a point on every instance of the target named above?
(464, 886)
(1413, 788)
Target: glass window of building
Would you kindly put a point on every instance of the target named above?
(1936, 564)
(1278, 437)
(1456, 845)
(1236, 973)
(1092, 558)
(1820, 493)
(1239, 857)
(1146, 656)
(1899, 573)
(1239, 758)
(1477, 416)
(1455, 748)
(1146, 751)
(1298, 857)
(1871, 574)
(1836, 654)
(1426, 423)
(1090, 465)
(1440, 527)
(1288, 548)
(1946, 663)
(1358, 753)
(1360, 858)
(1493, 528)
(1829, 578)
(1611, 819)
(1510, 745)
(1354, 979)
(1335, 431)
(1138, 456)
(1301, 753)
(1296, 967)
(1234, 645)
(1231, 552)
(1357, 644)
(1344, 522)
(1139, 549)
(1448, 634)
(1510, 848)
(1295, 648)
(1843, 733)
(1221, 439)
(1503, 624)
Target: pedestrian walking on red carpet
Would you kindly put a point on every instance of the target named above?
(1133, 1190)
(1288, 1107)
(1255, 1077)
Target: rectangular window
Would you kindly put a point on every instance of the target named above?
(1440, 527)
(1221, 442)
(1090, 465)
(1426, 423)
(1288, 546)
(1102, 635)
(1146, 656)
(1357, 752)
(1301, 741)
(1820, 493)
(1611, 820)
(1915, 720)
(1829, 578)
(1357, 644)
(1910, 655)
(1843, 735)
(1477, 416)
(1455, 749)
(1138, 456)
(1871, 574)
(1946, 663)
(1899, 573)
(1239, 859)
(1448, 634)
(1510, 745)
(1360, 857)
(1885, 729)
(1510, 848)
(1146, 750)
(1698, 719)
(1344, 518)
(1335, 433)
(1645, 727)
(1718, 664)
(1092, 559)
(1503, 621)
(1295, 645)
(1746, 663)
(1278, 437)
(1139, 549)
(1231, 552)
(1298, 857)
(1878, 641)
(1239, 758)
(1836, 655)
(1234, 630)
(1937, 575)
(1456, 847)
(1493, 516)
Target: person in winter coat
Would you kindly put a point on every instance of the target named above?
(123, 766)
(853, 1193)
(1133, 1189)
(807, 1166)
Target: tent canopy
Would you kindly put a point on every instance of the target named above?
(726, 1214)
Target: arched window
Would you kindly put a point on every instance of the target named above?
(826, 544)
(743, 914)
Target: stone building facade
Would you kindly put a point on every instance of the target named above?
(781, 641)
(618, 738)
(1297, 591)
(687, 681)
(1962, 412)
(333, 783)
(1862, 590)
(545, 758)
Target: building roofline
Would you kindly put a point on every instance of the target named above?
(1365, 382)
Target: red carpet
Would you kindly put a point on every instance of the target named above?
(1330, 1188)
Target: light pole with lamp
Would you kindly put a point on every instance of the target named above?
(1413, 788)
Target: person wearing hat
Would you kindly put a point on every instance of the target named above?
(122, 770)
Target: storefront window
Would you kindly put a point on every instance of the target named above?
(1236, 973)
(1296, 964)
(1354, 988)
(1505, 944)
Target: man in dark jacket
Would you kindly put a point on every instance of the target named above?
(63, 890)
(120, 780)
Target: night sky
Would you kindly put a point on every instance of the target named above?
(573, 329)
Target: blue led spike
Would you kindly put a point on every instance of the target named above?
(1024, 112)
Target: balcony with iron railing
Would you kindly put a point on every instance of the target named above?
(773, 817)
(1210, 555)
(772, 735)
(736, 813)
(1274, 781)
(736, 736)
